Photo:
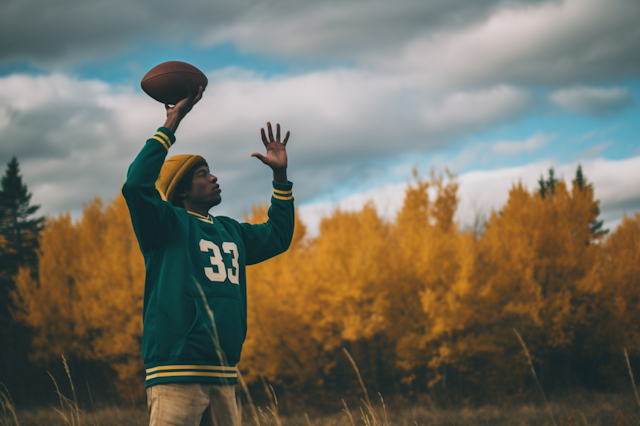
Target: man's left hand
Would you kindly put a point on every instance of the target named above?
(276, 157)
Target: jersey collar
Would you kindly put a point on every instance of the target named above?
(207, 219)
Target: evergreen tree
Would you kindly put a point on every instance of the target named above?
(580, 179)
(543, 186)
(19, 234)
(552, 181)
(581, 182)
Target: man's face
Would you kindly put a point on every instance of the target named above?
(205, 190)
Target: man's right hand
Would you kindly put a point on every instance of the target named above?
(176, 113)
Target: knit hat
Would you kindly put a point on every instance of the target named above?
(174, 169)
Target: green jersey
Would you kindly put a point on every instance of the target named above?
(195, 295)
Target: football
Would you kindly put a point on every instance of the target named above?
(169, 82)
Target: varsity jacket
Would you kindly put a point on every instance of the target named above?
(195, 294)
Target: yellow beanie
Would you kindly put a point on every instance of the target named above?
(174, 169)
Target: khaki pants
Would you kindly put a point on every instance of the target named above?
(192, 404)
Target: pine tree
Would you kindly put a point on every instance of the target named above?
(552, 181)
(19, 234)
(581, 182)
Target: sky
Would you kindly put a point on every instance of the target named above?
(495, 91)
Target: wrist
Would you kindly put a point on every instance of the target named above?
(172, 122)
(280, 176)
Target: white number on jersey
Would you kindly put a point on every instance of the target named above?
(220, 274)
(232, 248)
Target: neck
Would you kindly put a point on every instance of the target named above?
(201, 210)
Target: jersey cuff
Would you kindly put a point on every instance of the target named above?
(165, 137)
(282, 191)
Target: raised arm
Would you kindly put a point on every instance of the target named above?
(269, 239)
(150, 214)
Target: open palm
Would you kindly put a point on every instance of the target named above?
(276, 157)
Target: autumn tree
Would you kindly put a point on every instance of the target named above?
(433, 270)
(534, 261)
(613, 285)
(322, 294)
(90, 280)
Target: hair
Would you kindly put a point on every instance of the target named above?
(185, 184)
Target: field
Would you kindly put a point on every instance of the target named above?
(575, 409)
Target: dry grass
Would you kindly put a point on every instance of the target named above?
(570, 409)
(573, 410)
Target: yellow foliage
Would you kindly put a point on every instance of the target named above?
(407, 298)
(614, 285)
(87, 300)
(535, 257)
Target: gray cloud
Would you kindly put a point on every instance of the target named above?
(66, 32)
(553, 44)
(49, 33)
(350, 29)
(439, 43)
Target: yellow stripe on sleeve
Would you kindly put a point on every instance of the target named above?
(165, 137)
(162, 142)
(279, 197)
(279, 191)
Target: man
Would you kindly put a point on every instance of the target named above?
(195, 299)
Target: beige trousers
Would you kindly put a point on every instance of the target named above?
(192, 404)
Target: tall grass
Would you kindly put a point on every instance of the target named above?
(535, 376)
(593, 409)
(571, 410)
(633, 382)
(7, 405)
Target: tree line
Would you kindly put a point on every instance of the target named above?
(423, 306)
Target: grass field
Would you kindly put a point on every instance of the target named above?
(577, 409)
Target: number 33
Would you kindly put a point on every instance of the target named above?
(217, 261)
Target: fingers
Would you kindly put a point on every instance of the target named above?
(198, 96)
(190, 96)
(270, 132)
(266, 141)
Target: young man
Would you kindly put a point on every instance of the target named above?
(195, 298)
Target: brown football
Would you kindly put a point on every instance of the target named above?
(169, 82)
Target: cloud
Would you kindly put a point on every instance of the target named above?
(532, 144)
(75, 138)
(69, 32)
(74, 30)
(616, 183)
(594, 101)
(472, 108)
(334, 29)
(550, 44)
(441, 43)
